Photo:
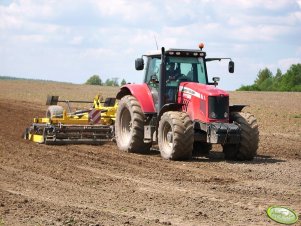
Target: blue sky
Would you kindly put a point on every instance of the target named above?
(71, 40)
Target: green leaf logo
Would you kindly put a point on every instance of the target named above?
(282, 215)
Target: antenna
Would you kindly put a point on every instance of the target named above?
(156, 41)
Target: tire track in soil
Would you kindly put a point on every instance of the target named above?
(86, 185)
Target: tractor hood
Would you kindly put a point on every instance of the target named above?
(204, 103)
(200, 90)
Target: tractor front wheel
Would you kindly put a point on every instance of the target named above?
(175, 136)
(129, 126)
(249, 138)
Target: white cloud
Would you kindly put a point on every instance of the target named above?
(29, 9)
(77, 40)
(30, 38)
(267, 4)
(298, 50)
(97, 53)
(242, 19)
(260, 32)
(240, 48)
(296, 16)
(90, 33)
(285, 64)
(128, 10)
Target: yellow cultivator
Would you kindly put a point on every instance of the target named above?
(90, 126)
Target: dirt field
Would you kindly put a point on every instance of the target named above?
(100, 185)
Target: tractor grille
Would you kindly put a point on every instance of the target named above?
(218, 107)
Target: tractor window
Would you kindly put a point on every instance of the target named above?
(153, 69)
(201, 71)
(188, 68)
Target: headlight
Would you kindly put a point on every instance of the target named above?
(218, 107)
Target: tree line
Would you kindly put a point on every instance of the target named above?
(96, 80)
(266, 81)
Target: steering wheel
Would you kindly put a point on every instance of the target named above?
(182, 78)
(153, 80)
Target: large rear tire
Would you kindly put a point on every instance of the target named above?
(175, 136)
(249, 139)
(129, 126)
(54, 111)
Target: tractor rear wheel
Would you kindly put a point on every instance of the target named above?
(129, 126)
(175, 136)
(249, 138)
(54, 111)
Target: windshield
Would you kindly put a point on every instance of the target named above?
(153, 69)
(190, 69)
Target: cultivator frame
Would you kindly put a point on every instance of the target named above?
(69, 134)
(74, 127)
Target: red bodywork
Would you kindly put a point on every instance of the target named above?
(142, 94)
(194, 96)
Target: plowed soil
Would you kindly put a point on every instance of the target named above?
(100, 185)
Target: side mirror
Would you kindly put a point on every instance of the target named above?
(231, 66)
(139, 64)
(215, 80)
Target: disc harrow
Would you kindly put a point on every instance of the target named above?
(91, 126)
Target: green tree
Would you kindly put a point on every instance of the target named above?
(109, 82)
(94, 80)
(291, 81)
(277, 80)
(262, 76)
(123, 82)
(249, 88)
(265, 81)
(267, 84)
(112, 82)
(278, 74)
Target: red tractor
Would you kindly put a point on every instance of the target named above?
(180, 110)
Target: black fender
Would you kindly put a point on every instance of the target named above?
(237, 108)
(169, 107)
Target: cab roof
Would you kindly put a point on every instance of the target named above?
(177, 52)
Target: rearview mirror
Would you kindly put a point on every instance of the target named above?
(139, 64)
(215, 81)
(231, 66)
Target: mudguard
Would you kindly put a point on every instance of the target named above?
(142, 93)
